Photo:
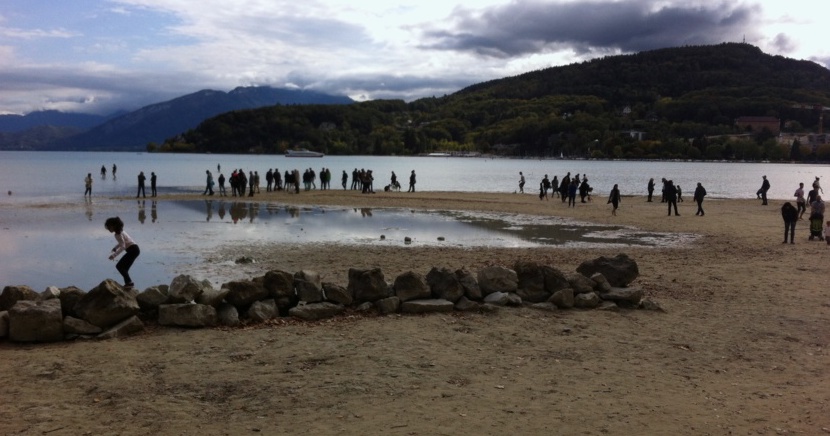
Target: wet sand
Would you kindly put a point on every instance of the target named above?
(741, 348)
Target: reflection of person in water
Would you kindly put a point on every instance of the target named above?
(142, 214)
(221, 210)
(365, 211)
(209, 207)
(154, 211)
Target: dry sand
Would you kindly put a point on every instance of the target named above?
(741, 349)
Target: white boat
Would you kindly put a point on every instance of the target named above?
(302, 152)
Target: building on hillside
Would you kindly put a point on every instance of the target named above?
(636, 135)
(758, 124)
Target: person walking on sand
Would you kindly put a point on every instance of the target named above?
(762, 193)
(800, 201)
(521, 183)
(790, 215)
(88, 185)
(412, 182)
(208, 183)
(614, 199)
(221, 180)
(650, 189)
(671, 197)
(141, 179)
(700, 192)
(125, 245)
(152, 184)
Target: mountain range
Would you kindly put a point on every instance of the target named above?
(53, 130)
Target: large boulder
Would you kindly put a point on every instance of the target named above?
(107, 304)
(411, 286)
(444, 284)
(263, 310)
(309, 276)
(469, 283)
(368, 284)
(50, 292)
(187, 315)
(337, 294)
(497, 279)
(243, 293)
(620, 270)
(563, 298)
(588, 300)
(308, 292)
(316, 311)
(213, 297)
(151, 298)
(70, 296)
(280, 284)
(427, 306)
(36, 321)
(13, 294)
(388, 305)
(4, 324)
(228, 315)
(185, 289)
(580, 284)
(531, 281)
(555, 279)
(77, 326)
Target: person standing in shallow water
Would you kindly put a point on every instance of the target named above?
(152, 184)
(614, 199)
(125, 245)
(88, 185)
(700, 192)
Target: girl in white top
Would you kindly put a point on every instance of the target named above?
(125, 245)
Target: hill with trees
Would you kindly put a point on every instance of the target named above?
(675, 103)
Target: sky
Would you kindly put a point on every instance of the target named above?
(102, 56)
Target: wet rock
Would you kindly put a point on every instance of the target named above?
(427, 306)
(107, 304)
(563, 298)
(316, 311)
(620, 270)
(13, 294)
(77, 326)
(497, 279)
(308, 292)
(243, 293)
(580, 284)
(388, 305)
(128, 327)
(228, 315)
(368, 285)
(337, 294)
(185, 289)
(469, 283)
(263, 310)
(411, 286)
(444, 284)
(588, 300)
(36, 321)
(187, 315)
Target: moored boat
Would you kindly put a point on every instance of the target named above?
(302, 152)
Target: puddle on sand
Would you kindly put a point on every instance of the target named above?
(69, 246)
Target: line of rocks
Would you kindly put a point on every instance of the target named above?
(110, 311)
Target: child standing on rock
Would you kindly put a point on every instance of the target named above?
(126, 245)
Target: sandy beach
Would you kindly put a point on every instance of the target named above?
(742, 347)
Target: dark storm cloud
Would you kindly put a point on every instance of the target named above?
(524, 27)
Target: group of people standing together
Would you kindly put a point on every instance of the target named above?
(566, 190)
(792, 214)
(672, 194)
(141, 182)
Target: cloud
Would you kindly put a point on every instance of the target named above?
(523, 27)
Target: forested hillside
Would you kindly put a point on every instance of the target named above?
(683, 100)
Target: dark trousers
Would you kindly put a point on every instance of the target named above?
(672, 202)
(123, 265)
(650, 194)
(789, 226)
(699, 207)
(140, 191)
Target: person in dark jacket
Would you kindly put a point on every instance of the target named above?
(762, 193)
(614, 199)
(671, 196)
(700, 192)
(790, 215)
(650, 188)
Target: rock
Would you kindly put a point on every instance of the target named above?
(580, 284)
(77, 326)
(531, 282)
(547, 307)
(620, 270)
(411, 286)
(280, 284)
(244, 260)
(601, 284)
(497, 279)
(407, 240)
(36, 321)
(316, 311)
(309, 276)
(128, 327)
(308, 292)
(213, 297)
(151, 298)
(185, 289)
(228, 315)
(50, 292)
(555, 279)
(469, 283)
(427, 306)
(514, 299)
(188, 315)
(368, 285)
(464, 304)
(263, 310)
(13, 294)
(497, 298)
(588, 300)
(70, 296)
(388, 305)
(4, 324)
(631, 296)
(365, 306)
(608, 305)
(563, 298)
(444, 284)
(243, 293)
(645, 304)
(337, 294)
(107, 304)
